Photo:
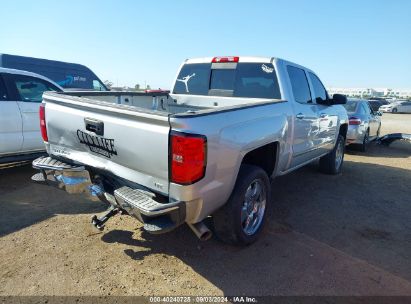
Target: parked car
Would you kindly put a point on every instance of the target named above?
(377, 103)
(364, 124)
(400, 106)
(208, 148)
(20, 98)
(67, 75)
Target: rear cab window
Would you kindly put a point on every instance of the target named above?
(351, 106)
(243, 79)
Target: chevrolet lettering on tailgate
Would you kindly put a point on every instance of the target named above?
(99, 145)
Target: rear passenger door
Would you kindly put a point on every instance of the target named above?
(373, 118)
(29, 92)
(328, 119)
(11, 136)
(305, 117)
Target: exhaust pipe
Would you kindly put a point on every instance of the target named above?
(201, 231)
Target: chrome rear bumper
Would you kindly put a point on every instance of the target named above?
(159, 214)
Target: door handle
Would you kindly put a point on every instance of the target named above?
(300, 115)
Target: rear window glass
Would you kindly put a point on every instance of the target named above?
(252, 80)
(193, 79)
(350, 106)
(222, 79)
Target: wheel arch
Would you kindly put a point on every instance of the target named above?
(343, 130)
(265, 157)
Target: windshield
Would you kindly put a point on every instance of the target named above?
(252, 80)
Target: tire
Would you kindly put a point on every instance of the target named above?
(379, 131)
(333, 161)
(365, 142)
(395, 110)
(230, 222)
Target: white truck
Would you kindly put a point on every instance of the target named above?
(207, 149)
(20, 98)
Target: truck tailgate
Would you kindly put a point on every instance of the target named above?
(128, 143)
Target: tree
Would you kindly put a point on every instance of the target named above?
(148, 87)
(137, 87)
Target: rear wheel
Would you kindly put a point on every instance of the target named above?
(333, 161)
(241, 220)
(366, 141)
(395, 110)
(379, 131)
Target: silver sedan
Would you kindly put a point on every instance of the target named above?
(400, 106)
(364, 123)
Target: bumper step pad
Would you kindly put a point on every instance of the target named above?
(157, 217)
(38, 178)
(48, 163)
(143, 201)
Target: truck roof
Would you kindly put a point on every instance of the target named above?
(257, 59)
(240, 59)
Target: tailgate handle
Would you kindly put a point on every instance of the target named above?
(94, 125)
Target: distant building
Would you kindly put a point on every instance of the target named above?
(124, 88)
(371, 92)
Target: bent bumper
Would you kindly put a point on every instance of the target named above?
(158, 214)
(355, 134)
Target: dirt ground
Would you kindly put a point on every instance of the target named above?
(329, 235)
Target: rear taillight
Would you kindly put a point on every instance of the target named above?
(43, 127)
(354, 121)
(225, 59)
(187, 157)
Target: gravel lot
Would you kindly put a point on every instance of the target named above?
(329, 235)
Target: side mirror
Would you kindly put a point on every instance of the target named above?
(338, 99)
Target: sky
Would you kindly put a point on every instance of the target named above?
(347, 43)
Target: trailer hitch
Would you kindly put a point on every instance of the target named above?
(99, 222)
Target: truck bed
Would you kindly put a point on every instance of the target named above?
(134, 141)
(157, 102)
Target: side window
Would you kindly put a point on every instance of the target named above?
(3, 91)
(369, 109)
(365, 109)
(320, 93)
(299, 84)
(30, 89)
(98, 86)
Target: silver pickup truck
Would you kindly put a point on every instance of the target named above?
(207, 149)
